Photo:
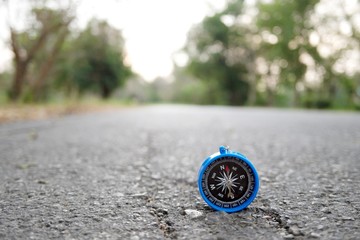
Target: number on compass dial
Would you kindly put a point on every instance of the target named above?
(229, 182)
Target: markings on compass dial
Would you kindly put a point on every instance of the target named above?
(228, 182)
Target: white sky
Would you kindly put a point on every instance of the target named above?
(153, 30)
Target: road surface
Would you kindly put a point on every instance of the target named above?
(131, 174)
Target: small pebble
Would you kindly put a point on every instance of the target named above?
(289, 236)
(326, 210)
(41, 182)
(119, 194)
(320, 227)
(193, 213)
(294, 230)
(314, 235)
(153, 224)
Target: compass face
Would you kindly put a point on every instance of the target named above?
(228, 182)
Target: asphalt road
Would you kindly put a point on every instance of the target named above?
(131, 174)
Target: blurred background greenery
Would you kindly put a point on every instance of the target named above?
(283, 53)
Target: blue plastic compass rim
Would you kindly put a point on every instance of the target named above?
(212, 158)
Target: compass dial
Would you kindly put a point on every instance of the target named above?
(228, 182)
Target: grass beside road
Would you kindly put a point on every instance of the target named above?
(11, 112)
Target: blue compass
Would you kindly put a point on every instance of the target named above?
(228, 181)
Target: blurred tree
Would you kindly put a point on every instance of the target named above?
(287, 53)
(341, 34)
(220, 55)
(285, 28)
(40, 42)
(135, 90)
(160, 90)
(187, 89)
(94, 61)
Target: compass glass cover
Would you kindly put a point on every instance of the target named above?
(228, 182)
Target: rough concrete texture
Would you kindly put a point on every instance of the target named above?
(131, 174)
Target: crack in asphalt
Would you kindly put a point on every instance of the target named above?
(164, 223)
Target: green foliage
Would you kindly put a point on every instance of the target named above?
(219, 55)
(194, 92)
(286, 28)
(93, 61)
(187, 89)
(273, 59)
(51, 57)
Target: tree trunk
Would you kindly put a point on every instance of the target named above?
(105, 91)
(252, 91)
(38, 89)
(269, 97)
(296, 97)
(18, 80)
